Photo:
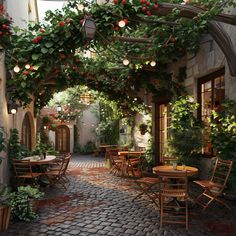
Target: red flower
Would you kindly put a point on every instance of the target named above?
(61, 23)
(123, 2)
(31, 68)
(143, 1)
(0, 33)
(156, 6)
(148, 13)
(26, 72)
(4, 26)
(144, 9)
(115, 1)
(126, 21)
(35, 40)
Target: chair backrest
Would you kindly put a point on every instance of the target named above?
(22, 167)
(135, 162)
(176, 181)
(221, 172)
(64, 165)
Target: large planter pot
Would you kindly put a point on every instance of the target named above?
(5, 212)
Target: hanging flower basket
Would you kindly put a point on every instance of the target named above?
(143, 128)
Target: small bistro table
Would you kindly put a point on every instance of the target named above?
(169, 168)
(35, 160)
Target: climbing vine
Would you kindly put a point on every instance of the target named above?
(49, 57)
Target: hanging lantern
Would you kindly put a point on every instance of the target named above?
(86, 98)
(88, 28)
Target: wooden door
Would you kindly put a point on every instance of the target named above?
(63, 139)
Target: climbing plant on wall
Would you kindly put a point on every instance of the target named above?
(48, 57)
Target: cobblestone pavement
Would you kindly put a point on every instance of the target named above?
(97, 203)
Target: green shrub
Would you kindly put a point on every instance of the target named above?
(21, 202)
(88, 148)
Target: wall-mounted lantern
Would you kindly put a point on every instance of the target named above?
(88, 28)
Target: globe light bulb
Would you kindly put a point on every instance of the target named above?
(126, 62)
(80, 7)
(27, 66)
(153, 63)
(121, 23)
(16, 69)
(13, 111)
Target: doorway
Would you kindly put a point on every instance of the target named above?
(63, 139)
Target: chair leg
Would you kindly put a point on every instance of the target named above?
(161, 210)
(186, 215)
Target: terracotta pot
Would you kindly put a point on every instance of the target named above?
(5, 212)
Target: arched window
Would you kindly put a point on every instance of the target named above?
(26, 136)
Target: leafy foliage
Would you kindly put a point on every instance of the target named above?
(186, 132)
(21, 202)
(223, 135)
(14, 146)
(50, 54)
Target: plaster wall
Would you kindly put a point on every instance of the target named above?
(209, 59)
(87, 125)
(21, 11)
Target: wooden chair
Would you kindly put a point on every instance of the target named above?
(59, 175)
(116, 162)
(134, 165)
(149, 185)
(23, 171)
(173, 185)
(213, 188)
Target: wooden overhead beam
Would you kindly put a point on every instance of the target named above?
(189, 11)
(217, 32)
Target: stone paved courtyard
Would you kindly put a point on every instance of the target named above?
(97, 203)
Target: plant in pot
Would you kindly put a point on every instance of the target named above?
(223, 138)
(22, 203)
(143, 128)
(5, 209)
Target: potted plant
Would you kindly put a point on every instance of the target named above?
(143, 128)
(5, 209)
(22, 202)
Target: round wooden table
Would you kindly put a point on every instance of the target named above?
(169, 168)
(35, 160)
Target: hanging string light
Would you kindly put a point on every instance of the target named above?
(27, 66)
(126, 62)
(16, 69)
(121, 23)
(153, 63)
(80, 7)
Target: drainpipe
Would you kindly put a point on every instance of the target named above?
(36, 11)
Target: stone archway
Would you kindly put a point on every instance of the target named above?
(27, 131)
(62, 139)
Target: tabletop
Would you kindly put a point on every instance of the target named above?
(169, 168)
(125, 153)
(35, 160)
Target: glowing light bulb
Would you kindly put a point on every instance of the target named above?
(16, 69)
(27, 66)
(153, 63)
(121, 23)
(126, 62)
(80, 7)
(13, 111)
